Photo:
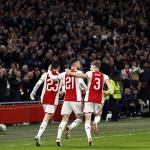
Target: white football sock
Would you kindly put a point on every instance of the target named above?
(88, 129)
(42, 128)
(75, 123)
(97, 119)
(61, 129)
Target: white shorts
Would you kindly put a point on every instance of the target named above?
(69, 107)
(50, 109)
(95, 108)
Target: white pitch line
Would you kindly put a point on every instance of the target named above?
(12, 145)
(101, 137)
(109, 136)
(15, 145)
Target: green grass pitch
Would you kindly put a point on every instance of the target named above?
(130, 134)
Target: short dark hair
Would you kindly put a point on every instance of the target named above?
(73, 60)
(55, 64)
(96, 63)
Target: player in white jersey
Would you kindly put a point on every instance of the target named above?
(94, 99)
(72, 99)
(49, 97)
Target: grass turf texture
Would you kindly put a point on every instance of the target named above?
(130, 134)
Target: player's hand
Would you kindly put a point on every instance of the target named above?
(68, 72)
(61, 94)
(49, 67)
(32, 97)
(105, 93)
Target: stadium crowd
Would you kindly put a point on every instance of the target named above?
(33, 33)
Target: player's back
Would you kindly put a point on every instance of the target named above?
(72, 88)
(96, 82)
(50, 93)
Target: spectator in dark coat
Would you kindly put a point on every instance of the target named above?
(3, 85)
(27, 86)
(131, 106)
(15, 86)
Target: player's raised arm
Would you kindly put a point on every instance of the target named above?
(36, 87)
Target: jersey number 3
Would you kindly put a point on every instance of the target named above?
(97, 85)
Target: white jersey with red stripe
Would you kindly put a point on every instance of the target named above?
(73, 87)
(96, 81)
(51, 88)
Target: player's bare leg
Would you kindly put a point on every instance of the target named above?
(61, 129)
(42, 128)
(95, 124)
(74, 124)
(97, 118)
(88, 128)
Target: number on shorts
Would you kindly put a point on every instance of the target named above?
(51, 87)
(97, 84)
(70, 82)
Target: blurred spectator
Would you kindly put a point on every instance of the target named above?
(125, 73)
(105, 67)
(113, 101)
(33, 33)
(3, 85)
(24, 70)
(15, 86)
(131, 104)
(115, 98)
(36, 77)
(27, 86)
(144, 93)
(136, 71)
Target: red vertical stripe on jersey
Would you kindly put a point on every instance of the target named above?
(70, 86)
(51, 90)
(96, 87)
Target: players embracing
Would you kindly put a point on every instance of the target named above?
(94, 98)
(73, 85)
(72, 99)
